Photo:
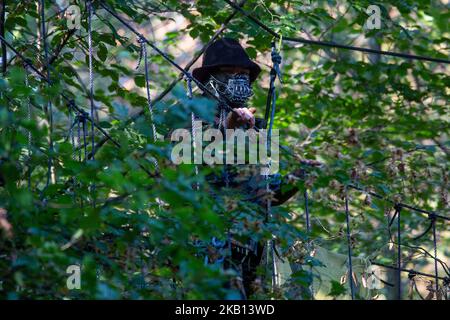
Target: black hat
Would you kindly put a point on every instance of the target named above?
(225, 52)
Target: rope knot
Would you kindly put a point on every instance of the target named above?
(188, 79)
(143, 52)
(83, 115)
(446, 282)
(276, 57)
(27, 62)
(141, 39)
(72, 104)
(412, 274)
(276, 61)
(432, 216)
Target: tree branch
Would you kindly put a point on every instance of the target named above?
(172, 85)
(61, 46)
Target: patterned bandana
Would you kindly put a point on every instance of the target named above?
(236, 88)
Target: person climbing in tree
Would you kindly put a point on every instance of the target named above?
(228, 73)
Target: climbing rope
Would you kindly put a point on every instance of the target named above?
(91, 91)
(72, 117)
(375, 263)
(306, 204)
(79, 138)
(349, 244)
(82, 118)
(332, 44)
(309, 244)
(271, 242)
(28, 63)
(49, 107)
(143, 56)
(397, 215)
(398, 210)
(271, 108)
(186, 74)
(194, 130)
(436, 272)
(400, 204)
(29, 137)
(91, 76)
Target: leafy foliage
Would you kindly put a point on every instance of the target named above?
(379, 122)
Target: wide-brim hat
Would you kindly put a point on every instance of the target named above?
(225, 52)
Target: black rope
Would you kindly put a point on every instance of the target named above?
(79, 138)
(43, 77)
(424, 233)
(349, 244)
(308, 231)
(308, 223)
(271, 92)
(143, 55)
(91, 91)
(446, 286)
(85, 133)
(91, 77)
(398, 210)
(66, 98)
(404, 205)
(334, 44)
(432, 216)
(193, 131)
(29, 136)
(418, 248)
(382, 280)
(422, 250)
(2, 34)
(168, 59)
(271, 104)
(391, 222)
(275, 71)
(73, 120)
(426, 253)
(49, 108)
(412, 279)
(436, 271)
(269, 97)
(408, 270)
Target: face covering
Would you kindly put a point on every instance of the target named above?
(236, 88)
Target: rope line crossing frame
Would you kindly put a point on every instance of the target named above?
(82, 117)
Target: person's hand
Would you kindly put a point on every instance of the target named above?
(241, 117)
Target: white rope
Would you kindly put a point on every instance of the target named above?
(143, 54)
(28, 131)
(193, 129)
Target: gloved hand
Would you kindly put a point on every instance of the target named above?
(241, 117)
